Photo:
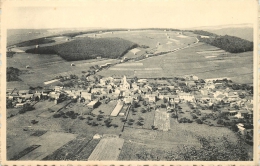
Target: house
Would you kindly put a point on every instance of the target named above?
(151, 97)
(210, 86)
(54, 95)
(86, 95)
(186, 96)
(232, 113)
(242, 114)
(204, 91)
(19, 105)
(233, 95)
(117, 91)
(27, 96)
(142, 80)
(96, 90)
(195, 78)
(23, 92)
(128, 100)
(135, 86)
(102, 81)
(93, 104)
(241, 129)
(190, 83)
(171, 87)
(57, 88)
(220, 97)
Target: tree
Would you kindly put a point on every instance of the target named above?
(220, 121)
(199, 121)
(9, 103)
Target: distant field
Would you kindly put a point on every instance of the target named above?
(238, 67)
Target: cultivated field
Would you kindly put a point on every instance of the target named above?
(79, 148)
(48, 142)
(162, 120)
(107, 149)
(238, 67)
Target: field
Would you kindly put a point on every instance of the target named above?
(238, 67)
(162, 120)
(79, 148)
(48, 142)
(146, 118)
(142, 144)
(47, 67)
(105, 108)
(107, 149)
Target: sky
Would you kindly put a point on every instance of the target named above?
(129, 14)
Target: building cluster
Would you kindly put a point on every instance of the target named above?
(206, 93)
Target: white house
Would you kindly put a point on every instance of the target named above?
(186, 96)
(86, 95)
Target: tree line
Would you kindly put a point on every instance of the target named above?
(228, 43)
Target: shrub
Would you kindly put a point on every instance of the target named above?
(199, 121)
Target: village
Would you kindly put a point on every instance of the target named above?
(188, 99)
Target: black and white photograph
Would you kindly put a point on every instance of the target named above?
(129, 81)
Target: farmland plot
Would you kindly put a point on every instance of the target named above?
(107, 149)
(46, 144)
(77, 149)
(162, 120)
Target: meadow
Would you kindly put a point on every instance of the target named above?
(46, 67)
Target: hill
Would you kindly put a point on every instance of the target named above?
(87, 48)
(241, 32)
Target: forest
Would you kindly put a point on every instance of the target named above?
(88, 48)
(228, 43)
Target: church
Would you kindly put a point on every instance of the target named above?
(124, 84)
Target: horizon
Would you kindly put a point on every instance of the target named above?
(128, 14)
(243, 25)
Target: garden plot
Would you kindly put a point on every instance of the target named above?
(162, 120)
(107, 149)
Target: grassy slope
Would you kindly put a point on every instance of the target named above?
(88, 48)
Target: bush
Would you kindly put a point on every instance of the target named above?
(199, 121)
(220, 121)
(185, 120)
